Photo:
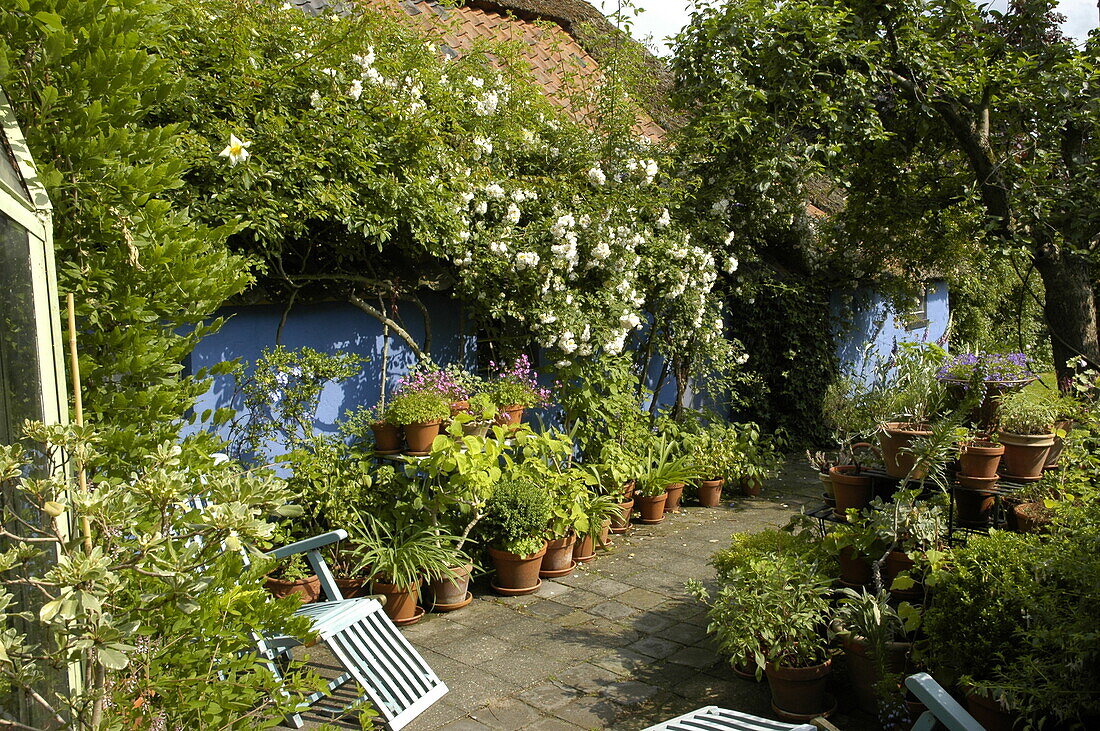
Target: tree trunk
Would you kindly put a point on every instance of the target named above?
(1070, 311)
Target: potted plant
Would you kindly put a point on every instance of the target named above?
(985, 376)
(664, 468)
(420, 413)
(876, 651)
(980, 457)
(293, 577)
(567, 519)
(855, 543)
(852, 489)
(773, 612)
(1026, 421)
(453, 383)
(401, 557)
(822, 463)
(480, 414)
(914, 395)
(599, 511)
(516, 517)
(514, 389)
(714, 456)
(910, 526)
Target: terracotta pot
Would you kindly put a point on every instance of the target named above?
(799, 691)
(851, 490)
(1031, 517)
(893, 438)
(827, 484)
(1025, 454)
(351, 588)
(621, 524)
(511, 416)
(652, 509)
(752, 486)
(973, 500)
(1055, 453)
(419, 437)
(980, 459)
(710, 493)
(584, 550)
(605, 536)
(896, 562)
(865, 668)
(400, 599)
(855, 568)
(516, 572)
(458, 407)
(674, 493)
(476, 429)
(387, 437)
(628, 489)
(307, 589)
(557, 560)
(450, 590)
(989, 713)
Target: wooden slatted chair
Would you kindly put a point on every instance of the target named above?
(942, 708)
(396, 680)
(713, 718)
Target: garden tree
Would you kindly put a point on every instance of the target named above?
(145, 274)
(377, 166)
(954, 131)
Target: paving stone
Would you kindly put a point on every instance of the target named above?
(622, 662)
(574, 618)
(464, 724)
(554, 724)
(509, 714)
(608, 587)
(655, 647)
(613, 610)
(685, 633)
(440, 714)
(650, 623)
(472, 690)
(551, 589)
(695, 657)
(587, 678)
(641, 598)
(473, 650)
(549, 696)
(548, 609)
(629, 692)
(590, 713)
(580, 599)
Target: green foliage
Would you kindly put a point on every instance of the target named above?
(664, 466)
(1028, 411)
(417, 407)
(146, 276)
(149, 593)
(517, 515)
(403, 554)
(745, 548)
(715, 453)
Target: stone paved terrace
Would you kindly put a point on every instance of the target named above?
(618, 644)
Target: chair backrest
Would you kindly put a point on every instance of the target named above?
(713, 718)
(941, 706)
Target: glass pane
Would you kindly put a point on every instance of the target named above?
(9, 173)
(20, 376)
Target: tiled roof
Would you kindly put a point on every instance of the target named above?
(558, 62)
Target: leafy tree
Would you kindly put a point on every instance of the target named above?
(145, 274)
(953, 130)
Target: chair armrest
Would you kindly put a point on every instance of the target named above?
(940, 704)
(309, 544)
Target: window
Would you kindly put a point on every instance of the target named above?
(916, 318)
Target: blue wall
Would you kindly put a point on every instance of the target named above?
(875, 328)
(332, 327)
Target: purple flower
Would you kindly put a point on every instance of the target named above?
(988, 367)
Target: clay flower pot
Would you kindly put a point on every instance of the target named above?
(400, 601)
(652, 509)
(450, 591)
(1031, 517)
(557, 560)
(307, 589)
(973, 500)
(1025, 455)
(628, 489)
(511, 416)
(989, 713)
(855, 568)
(851, 490)
(980, 459)
(896, 562)
(751, 486)
(387, 438)
(710, 493)
(516, 575)
(1055, 453)
(866, 669)
(894, 437)
(674, 493)
(458, 407)
(476, 429)
(419, 437)
(351, 588)
(584, 550)
(799, 692)
(621, 524)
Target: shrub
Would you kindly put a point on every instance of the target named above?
(517, 517)
(417, 407)
(1029, 411)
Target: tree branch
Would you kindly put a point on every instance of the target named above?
(401, 332)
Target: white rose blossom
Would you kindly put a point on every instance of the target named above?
(236, 150)
(597, 176)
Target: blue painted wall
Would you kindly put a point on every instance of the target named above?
(332, 327)
(875, 328)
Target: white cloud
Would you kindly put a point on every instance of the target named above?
(663, 19)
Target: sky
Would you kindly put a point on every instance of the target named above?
(664, 18)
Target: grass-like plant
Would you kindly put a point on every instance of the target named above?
(404, 554)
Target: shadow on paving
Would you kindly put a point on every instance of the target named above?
(618, 644)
